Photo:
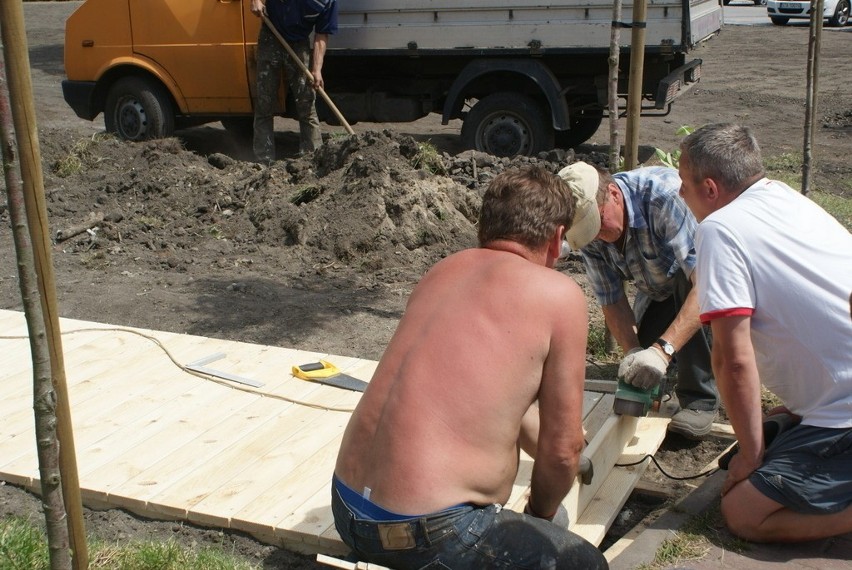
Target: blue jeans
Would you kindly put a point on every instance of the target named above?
(463, 537)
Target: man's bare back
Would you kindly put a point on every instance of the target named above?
(486, 333)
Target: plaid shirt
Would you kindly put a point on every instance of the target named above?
(659, 238)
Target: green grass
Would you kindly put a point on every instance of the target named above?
(428, 158)
(693, 540)
(838, 206)
(24, 547)
(80, 156)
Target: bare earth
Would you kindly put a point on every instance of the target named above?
(320, 253)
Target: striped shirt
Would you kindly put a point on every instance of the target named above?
(659, 238)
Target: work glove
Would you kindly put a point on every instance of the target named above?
(643, 368)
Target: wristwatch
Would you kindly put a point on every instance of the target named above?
(667, 347)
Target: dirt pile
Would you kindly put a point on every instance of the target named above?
(373, 202)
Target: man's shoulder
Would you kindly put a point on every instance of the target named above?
(649, 180)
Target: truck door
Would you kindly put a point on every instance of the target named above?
(201, 44)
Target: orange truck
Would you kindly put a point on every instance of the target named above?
(523, 76)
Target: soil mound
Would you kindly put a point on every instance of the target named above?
(371, 202)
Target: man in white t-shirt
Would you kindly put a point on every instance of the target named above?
(774, 275)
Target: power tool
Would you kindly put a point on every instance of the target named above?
(636, 402)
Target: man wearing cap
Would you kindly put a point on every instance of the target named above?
(634, 226)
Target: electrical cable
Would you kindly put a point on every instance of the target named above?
(663, 471)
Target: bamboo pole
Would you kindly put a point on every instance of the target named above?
(308, 73)
(634, 89)
(24, 118)
(814, 45)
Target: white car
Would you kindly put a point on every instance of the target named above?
(782, 11)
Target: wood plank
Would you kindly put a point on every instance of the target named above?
(164, 443)
(263, 431)
(261, 480)
(521, 486)
(94, 391)
(173, 431)
(597, 517)
(278, 500)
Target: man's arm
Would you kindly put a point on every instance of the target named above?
(687, 322)
(646, 368)
(560, 401)
(621, 323)
(735, 369)
(320, 45)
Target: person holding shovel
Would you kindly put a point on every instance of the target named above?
(294, 20)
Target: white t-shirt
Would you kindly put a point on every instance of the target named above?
(776, 256)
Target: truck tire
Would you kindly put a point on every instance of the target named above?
(139, 109)
(508, 124)
(584, 124)
(841, 15)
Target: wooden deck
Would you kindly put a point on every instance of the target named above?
(156, 440)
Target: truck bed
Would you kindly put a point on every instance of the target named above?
(514, 25)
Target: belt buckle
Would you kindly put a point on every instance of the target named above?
(396, 536)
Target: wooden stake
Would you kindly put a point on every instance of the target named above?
(23, 115)
(634, 88)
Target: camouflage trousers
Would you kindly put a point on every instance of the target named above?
(272, 58)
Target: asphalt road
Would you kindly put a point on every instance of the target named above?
(745, 13)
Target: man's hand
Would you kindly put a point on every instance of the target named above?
(258, 8)
(643, 368)
(739, 469)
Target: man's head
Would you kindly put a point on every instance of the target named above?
(717, 163)
(525, 205)
(600, 205)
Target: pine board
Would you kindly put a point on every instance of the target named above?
(164, 443)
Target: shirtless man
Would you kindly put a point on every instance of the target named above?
(430, 454)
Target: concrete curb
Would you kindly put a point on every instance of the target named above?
(630, 553)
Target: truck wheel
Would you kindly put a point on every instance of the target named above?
(241, 128)
(139, 109)
(507, 124)
(584, 125)
(780, 21)
(841, 15)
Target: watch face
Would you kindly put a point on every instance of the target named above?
(667, 347)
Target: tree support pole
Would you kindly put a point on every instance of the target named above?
(24, 118)
(634, 89)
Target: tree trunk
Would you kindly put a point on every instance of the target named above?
(44, 397)
(814, 44)
(614, 60)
